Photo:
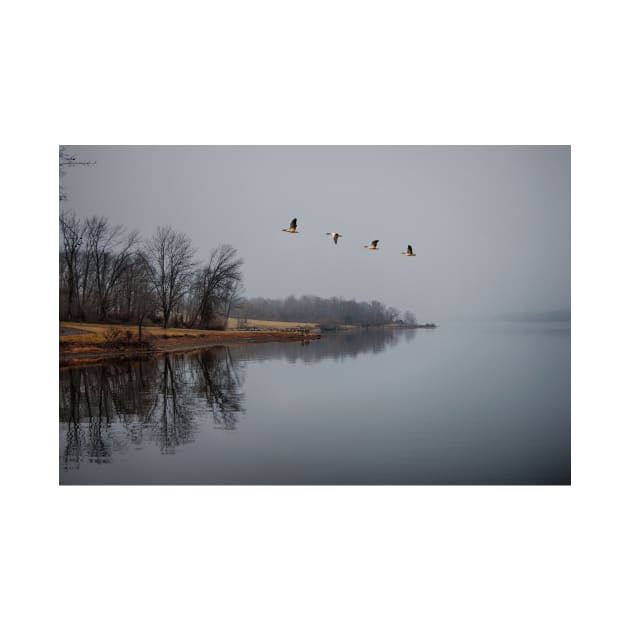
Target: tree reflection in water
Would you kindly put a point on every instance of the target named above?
(219, 382)
(114, 407)
(339, 346)
(87, 403)
(110, 408)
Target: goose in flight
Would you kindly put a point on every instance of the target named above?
(335, 236)
(292, 229)
(409, 251)
(372, 245)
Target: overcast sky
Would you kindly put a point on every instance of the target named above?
(490, 225)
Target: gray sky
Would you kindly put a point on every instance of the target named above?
(491, 226)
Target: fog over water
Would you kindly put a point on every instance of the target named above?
(490, 225)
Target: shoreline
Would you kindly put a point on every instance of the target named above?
(73, 351)
(86, 344)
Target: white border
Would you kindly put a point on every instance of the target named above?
(298, 73)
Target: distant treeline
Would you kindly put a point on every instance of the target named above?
(326, 311)
(108, 274)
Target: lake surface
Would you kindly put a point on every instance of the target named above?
(482, 403)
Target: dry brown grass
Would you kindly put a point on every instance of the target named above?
(93, 344)
(95, 333)
(264, 323)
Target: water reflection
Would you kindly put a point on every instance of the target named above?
(117, 406)
(467, 404)
(113, 409)
(338, 346)
(155, 399)
(219, 380)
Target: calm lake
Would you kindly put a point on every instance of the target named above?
(478, 403)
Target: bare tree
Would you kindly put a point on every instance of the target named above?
(392, 314)
(143, 297)
(409, 318)
(110, 251)
(169, 256)
(217, 285)
(232, 299)
(72, 235)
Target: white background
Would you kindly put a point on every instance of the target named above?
(326, 72)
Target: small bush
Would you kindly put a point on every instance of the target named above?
(114, 337)
(217, 324)
(119, 339)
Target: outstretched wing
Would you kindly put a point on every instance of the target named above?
(409, 250)
(293, 224)
(375, 243)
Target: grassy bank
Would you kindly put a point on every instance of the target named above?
(83, 343)
(270, 324)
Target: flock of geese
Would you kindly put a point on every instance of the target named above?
(292, 229)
